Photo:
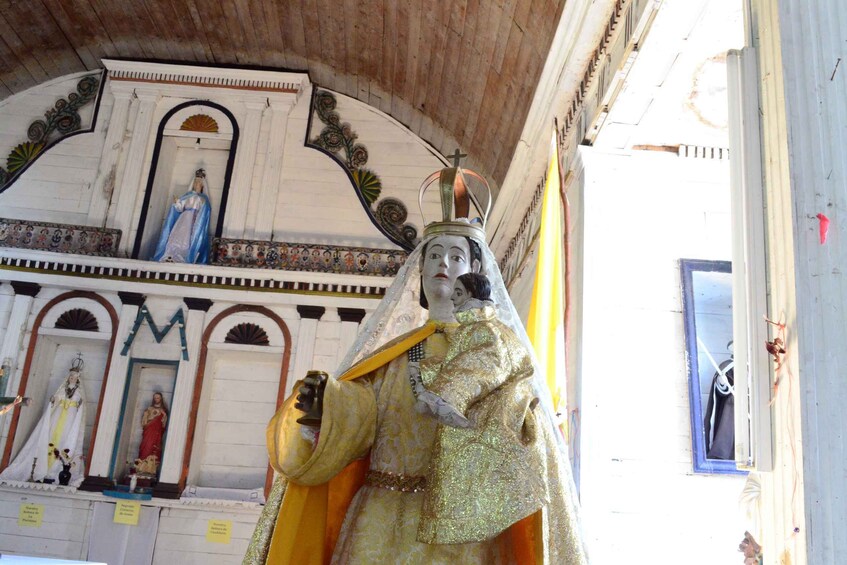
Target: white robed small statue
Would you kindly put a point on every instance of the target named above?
(56, 442)
(185, 233)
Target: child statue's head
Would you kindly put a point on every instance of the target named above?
(470, 285)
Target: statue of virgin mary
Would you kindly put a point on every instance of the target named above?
(58, 437)
(372, 481)
(185, 233)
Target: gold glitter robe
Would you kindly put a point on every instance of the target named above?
(485, 478)
(369, 423)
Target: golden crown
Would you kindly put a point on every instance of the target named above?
(459, 191)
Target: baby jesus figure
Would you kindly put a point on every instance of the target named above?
(488, 442)
(471, 295)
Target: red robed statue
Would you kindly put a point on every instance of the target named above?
(153, 422)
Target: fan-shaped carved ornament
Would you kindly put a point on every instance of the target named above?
(78, 319)
(200, 122)
(247, 334)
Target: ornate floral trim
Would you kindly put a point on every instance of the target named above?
(59, 121)
(306, 257)
(391, 481)
(338, 140)
(61, 238)
(131, 271)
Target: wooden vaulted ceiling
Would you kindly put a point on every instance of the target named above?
(456, 72)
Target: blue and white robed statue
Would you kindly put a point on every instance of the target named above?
(185, 233)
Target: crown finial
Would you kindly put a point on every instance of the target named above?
(459, 190)
(457, 157)
(77, 363)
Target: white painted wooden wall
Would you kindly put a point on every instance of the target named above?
(802, 89)
(243, 387)
(313, 200)
(239, 397)
(66, 528)
(59, 187)
(643, 211)
(310, 199)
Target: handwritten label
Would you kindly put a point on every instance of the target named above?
(30, 515)
(127, 512)
(219, 531)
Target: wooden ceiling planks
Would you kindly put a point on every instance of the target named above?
(455, 71)
(275, 45)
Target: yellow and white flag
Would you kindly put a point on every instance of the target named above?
(546, 322)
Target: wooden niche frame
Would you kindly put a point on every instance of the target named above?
(201, 375)
(30, 355)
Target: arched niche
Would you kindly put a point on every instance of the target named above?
(239, 386)
(192, 135)
(49, 354)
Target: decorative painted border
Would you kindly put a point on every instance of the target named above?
(306, 257)
(62, 117)
(390, 214)
(187, 78)
(523, 239)
(571, 123)
(60, 238)
(142, 273)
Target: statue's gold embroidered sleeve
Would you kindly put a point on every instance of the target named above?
(346, 433)
(475, 364)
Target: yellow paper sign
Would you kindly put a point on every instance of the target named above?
(127, 512)
(30, 515)
(220, 531)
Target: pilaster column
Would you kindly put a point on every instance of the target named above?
(262, 228)
(13, 341)
(350, 320)
(128, 190)
(171, 470)
(101, 456)
(241, 184)
(306, 333)
(25, 293)
(101, 195)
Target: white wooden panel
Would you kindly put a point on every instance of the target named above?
(182, 537)
(635, 449)
(63, 532)
(56, 187)
(233, 453)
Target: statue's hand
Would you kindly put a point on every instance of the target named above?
(310, 399)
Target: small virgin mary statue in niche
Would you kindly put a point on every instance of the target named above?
(185, 233)
(57, 438)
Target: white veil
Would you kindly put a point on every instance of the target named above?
(400, 311)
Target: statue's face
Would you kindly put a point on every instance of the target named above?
(198, 184)
(157, 399)
(73, 378)
(447, 257)
(460, 294)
